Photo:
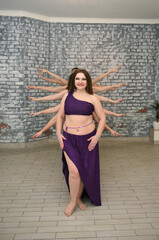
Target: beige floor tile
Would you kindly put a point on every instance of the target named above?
(76, 223)
(56, 229)
(38, 224)
(20, 219)
(96, 238)
(18, 230)
(113, 221)
(116, 233)
(133, 226)
(35, 236)
(33, 195)
(95, 228)
(6, 236)
(76, 234)
(9, 225)
(144, 237)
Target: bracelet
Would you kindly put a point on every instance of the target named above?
(58, 134)
(97, 136)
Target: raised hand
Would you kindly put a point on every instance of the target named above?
(31, 87)
(38, 134)
(118, 101)
(115, 69)
(93, 141)
(34, 114)
(33, 98)
(121, 84)
(120, 114)
(60, 139)
(117, 86)
(114, 133)
(42, 70)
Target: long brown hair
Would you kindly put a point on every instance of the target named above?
(71, 81)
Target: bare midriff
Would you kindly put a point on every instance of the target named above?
(78, 124)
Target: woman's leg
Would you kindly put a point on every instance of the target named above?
(80, 204)
(74, 184)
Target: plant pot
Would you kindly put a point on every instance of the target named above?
(156, 125)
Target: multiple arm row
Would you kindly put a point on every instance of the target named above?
(61, 91)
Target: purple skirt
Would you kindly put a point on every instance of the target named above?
(87, 163)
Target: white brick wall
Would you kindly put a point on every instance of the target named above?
(28, 43)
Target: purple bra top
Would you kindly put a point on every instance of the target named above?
(73, 106)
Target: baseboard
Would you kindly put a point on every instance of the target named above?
(54, 141)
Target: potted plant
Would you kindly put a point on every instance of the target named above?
(155, 106)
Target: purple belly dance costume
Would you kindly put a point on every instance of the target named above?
(76, 147)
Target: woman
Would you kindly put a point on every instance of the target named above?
(79, 141)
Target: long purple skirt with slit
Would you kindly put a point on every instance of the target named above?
(87, 163)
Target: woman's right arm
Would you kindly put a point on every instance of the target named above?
(50, 97)
(46, 111)
(48, 89)
(94, 81)
(50, 124)
(59, 122)
(104, 99)
(57, 79)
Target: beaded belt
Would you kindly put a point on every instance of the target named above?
(77, 127)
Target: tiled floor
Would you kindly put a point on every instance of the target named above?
(33, 195)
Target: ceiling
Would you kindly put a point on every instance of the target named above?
(87, 9)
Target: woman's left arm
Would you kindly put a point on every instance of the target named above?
(101, 116)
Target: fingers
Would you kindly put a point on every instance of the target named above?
(31, 87)
(61, 145)
(115, 133)
(120, 115)
(61, 138)
(122, 84)
(89, 139)
(90, 147)
(35, 136)
(32, 98)
(118, 134)
(115, 69)
(93, 143)
(119, 100)
(64, 137)
(34, 114)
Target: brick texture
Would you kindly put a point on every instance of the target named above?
(28, 43)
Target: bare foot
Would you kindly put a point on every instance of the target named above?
(81, 205)
(70, 208)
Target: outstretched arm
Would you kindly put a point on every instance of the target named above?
(107, 128)
(104, 75)
(50, 79)
(107, 112)
(104, 99)
(63, 81)
(46, 111)
(50, 124)
(100, 88)
(48, 89)
(114, 133)
(53, 97)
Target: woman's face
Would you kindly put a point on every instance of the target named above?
(80, 81)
